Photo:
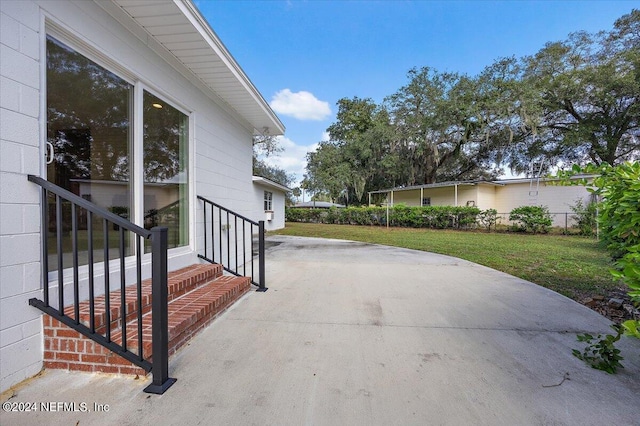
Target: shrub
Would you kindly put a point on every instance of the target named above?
(532, 219)
(488, 218)
(585, 217)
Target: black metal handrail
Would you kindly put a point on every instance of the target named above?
(159, 363)
(232, 261)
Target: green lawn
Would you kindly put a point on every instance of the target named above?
(571, 265)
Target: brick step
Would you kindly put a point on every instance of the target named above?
(69, 350)
(180, 282)
(188, 313)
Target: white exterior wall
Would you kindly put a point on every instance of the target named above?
(409, 197)
(557, 198)
(486, 197)
(220, 160)
(277, 205)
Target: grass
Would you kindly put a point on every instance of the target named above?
(573, 266)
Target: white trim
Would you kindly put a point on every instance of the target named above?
(137, 155)
(269, 183)
(42, 121)
(191, 180)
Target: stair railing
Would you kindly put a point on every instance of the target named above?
(222, 227)
(158, 361)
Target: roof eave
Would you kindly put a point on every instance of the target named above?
(166, 24)
(269, 183)
(194, 15)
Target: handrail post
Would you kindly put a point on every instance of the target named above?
(261, 271)
(160, 316)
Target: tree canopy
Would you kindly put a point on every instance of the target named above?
(573, 102)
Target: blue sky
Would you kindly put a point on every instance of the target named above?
(303, 56)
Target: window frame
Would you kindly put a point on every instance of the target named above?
(268, 201)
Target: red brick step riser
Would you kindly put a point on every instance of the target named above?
(69, 350)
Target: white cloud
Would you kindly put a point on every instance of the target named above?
(301, 105)
(325, 137)
(293, 158)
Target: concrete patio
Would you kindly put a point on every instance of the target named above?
(358, 334)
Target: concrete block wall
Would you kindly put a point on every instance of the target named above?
(21, 343)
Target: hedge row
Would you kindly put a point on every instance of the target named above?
(437, 217)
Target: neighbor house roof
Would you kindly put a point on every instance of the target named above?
(437, 185)
(177, 27)
(318, 205)
(502, 182)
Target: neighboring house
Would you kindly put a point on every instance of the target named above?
(135, 106)
(317, 205)
(269, 201)
(502, 195)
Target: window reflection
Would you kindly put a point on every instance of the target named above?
(89, 128)
(165, 169)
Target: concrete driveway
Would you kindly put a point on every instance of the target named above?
(356, 334)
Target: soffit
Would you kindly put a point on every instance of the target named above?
(180, 28)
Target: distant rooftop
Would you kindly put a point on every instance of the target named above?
(475, 182)
(317, 205)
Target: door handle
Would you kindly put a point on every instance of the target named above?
(50, 153)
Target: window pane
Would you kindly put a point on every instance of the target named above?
(166, 190)
(88, 127)
(268, 196)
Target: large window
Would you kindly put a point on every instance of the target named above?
(90, 133)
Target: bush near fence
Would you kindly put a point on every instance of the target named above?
(436, 217)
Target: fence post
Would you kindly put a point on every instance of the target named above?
(160, 325)
(261, 272)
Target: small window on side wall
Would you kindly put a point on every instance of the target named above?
(426, 201)
(268, 201)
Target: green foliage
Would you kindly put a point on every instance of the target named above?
(585, 217)
(488, 218)
(631, 328)
(600, 352)
(619, 220)
(534, 219)
(619, 217)
(435, 217)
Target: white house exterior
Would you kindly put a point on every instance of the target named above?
(502, 195)
(269, 203)
(164, 55)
